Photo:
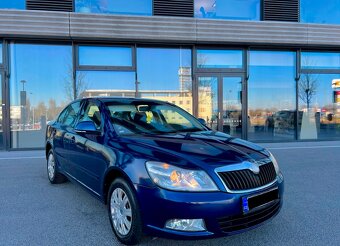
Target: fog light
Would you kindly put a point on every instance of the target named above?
(186, 225)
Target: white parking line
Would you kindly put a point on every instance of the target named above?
(305, 147)
(23, 157)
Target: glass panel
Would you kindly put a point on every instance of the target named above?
(105, 56)
(323, 12)
(271, 96)
(40, 86)
(219, 58)
(129, 7)
(232, 106)
(228, 9)
(12, 4)
(165, 74)
(315, 60)
(105, 83)
(1, 119)
(319, 106)
(208, 101)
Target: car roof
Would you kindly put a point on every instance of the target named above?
(126, 100)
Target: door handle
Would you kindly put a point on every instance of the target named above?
(73, 139)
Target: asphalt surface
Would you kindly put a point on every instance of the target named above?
(34, 212)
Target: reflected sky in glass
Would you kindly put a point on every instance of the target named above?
(272, 80)
(104, 82)
(219, 58)
(320, 60)
(12, 4)
(105, 56)
(228, 9)
(323, 12)
(158, 69)
(129, 7)
(46, 70)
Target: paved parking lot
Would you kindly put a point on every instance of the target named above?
(34, 212)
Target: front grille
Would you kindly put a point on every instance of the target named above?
(244, 221)
(246, 179)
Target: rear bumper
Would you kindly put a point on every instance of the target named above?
(222, 212)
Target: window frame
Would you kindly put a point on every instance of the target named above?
(106, 67)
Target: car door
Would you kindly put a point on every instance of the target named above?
(61, 128)
(88, 158)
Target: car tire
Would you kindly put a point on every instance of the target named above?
(52, 171)
(124, 213)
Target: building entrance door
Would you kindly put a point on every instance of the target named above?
(220, 102)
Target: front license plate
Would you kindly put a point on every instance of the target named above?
(251, 202)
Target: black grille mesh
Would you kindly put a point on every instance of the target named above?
(246, 179)
(244, 221)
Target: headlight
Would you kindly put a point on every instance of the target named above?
(276, 166)
(179, 179)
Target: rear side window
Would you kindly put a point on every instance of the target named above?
(69, 115)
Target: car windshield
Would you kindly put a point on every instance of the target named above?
(151, 118)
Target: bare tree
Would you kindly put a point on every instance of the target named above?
(74, 85)
(307, 87)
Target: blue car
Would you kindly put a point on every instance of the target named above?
(161, 171)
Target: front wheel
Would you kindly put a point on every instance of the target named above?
(124, 213)
(52, 172)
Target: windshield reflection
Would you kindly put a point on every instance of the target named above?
(151, 118)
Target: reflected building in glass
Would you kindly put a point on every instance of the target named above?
(266, 71)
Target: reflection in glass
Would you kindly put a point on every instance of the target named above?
(165, 74)
(128, 7)
(105, 56)
(232, 106)
(228, 9)
(41, 76)
(219, 58)
(12, 4)
(105, 83)
(271, 96)
(320, 60)
(208, 101)
(1, 118)
(323, 12)
(319, 106)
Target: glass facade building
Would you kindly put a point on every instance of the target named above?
(224, 61)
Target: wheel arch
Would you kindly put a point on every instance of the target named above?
(110, 176)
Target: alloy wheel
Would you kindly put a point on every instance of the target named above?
(51, 167)
(121, 212)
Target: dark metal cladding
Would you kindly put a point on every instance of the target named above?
(183, 8)
(281, 10)
(50, 5)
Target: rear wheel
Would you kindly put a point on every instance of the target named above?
(52, 172)
(124, 213)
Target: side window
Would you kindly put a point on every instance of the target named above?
(70, 114)
(91, 113)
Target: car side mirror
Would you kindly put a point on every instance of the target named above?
(202, 121)
(86, 127)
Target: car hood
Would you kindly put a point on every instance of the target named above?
(199, 148)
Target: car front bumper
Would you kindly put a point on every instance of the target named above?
(222, 212)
